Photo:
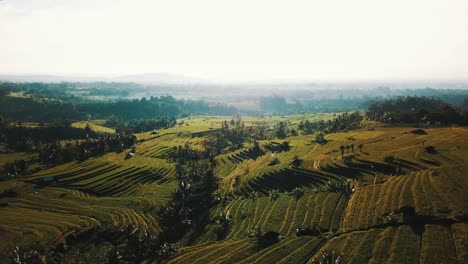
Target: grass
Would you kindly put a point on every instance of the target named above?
(95, 125)
(12, 157)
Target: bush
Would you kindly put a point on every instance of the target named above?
(274, 194)
(22, 255)
(167, 250)
(274, 161)
(430, 150)
(265, 239)
(329, 257)
(389, 159)
(419, 132)
(297, 192)
(308, 231)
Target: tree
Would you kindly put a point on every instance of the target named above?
(256, 147)
(360, 147)
(297, 162)
(294, 132)
(342, 148)
(285, 146)
(281, 130)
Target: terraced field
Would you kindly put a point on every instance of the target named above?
(105, 179)
(358, 227)
(283, 215)
(426, 191)
(289, 250)
(391, 202)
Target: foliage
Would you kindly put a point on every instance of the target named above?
(21, 255)
(274, 194)
(297, 162)
(167, 250)
(297, 192)
(190, 202)
(223, 222)
(264, 239)
(308, 231)
(231, 137)
(330, 257)
(341, 123)
(274, 161)
(413, 109)
(430, 150)
(281, 130)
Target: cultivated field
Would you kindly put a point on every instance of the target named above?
(390, 202)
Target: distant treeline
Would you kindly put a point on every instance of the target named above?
(28, 109)
(78, 100)
(302, 103)
(412, 109)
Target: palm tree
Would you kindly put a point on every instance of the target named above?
(342, 148)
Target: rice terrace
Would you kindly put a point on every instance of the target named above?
(215, 131)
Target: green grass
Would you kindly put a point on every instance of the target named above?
(95, 125)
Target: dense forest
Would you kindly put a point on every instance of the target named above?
(417, 110)
(44, 109)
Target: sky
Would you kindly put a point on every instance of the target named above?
(240, 40)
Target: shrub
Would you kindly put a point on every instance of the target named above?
(297, 162)
(419, 131)
(430, 150)
(274, 194)
(308, 231)
(329, 257)
(274, 161)
(265, 239)
(389, 159)
(223, 222)
(297, 192)
(22, 255)
(167, 250)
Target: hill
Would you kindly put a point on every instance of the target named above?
(392, 194)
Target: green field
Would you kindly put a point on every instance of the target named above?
(110, 194)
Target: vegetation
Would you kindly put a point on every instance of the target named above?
(416, 110)
(152, 185)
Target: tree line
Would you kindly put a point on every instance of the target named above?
(411, 109)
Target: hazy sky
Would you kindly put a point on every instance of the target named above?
(237, 39)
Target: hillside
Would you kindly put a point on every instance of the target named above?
(395, 199)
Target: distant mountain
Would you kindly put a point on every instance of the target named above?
(159, 78)
(145, 78)
(30, 78)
